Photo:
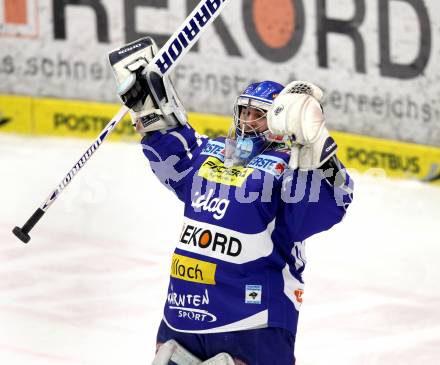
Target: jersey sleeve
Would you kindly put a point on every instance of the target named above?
(172, 154)
(311, 203)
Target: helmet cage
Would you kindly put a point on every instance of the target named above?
(246, 127)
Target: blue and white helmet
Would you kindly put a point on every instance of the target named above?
(245, 142)
(260, 94)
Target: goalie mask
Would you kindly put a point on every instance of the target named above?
(249, 134)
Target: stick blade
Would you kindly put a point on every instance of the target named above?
(22, 236)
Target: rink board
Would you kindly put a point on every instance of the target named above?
(66, 118)
(378, 64)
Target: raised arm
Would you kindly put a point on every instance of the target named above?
(317, 189)
(157, 114)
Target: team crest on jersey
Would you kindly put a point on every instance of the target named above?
(270, 164)
(216, 149)
(214, 170)
(253, 294)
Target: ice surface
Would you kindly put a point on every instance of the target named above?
(89, 287)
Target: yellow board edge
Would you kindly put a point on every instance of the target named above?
(82, 119)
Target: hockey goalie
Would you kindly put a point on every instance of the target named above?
(251, 200)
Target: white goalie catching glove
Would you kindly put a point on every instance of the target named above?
(152, 99)
(297, 112)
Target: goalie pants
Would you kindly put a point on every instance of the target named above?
(265, 346)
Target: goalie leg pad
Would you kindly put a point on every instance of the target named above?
(221, 359)
(172, 351)
(177, 354)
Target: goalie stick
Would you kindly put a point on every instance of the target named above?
(165, 60)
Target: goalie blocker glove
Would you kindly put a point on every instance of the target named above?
(151, 97)
(297, 112)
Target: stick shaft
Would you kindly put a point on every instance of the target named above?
(187, 35)
(84, 158)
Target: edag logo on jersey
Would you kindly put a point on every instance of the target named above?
(189, 269)
(183, 302)
(205, 202)
(209, 240)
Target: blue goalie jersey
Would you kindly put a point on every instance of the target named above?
(239, 260)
